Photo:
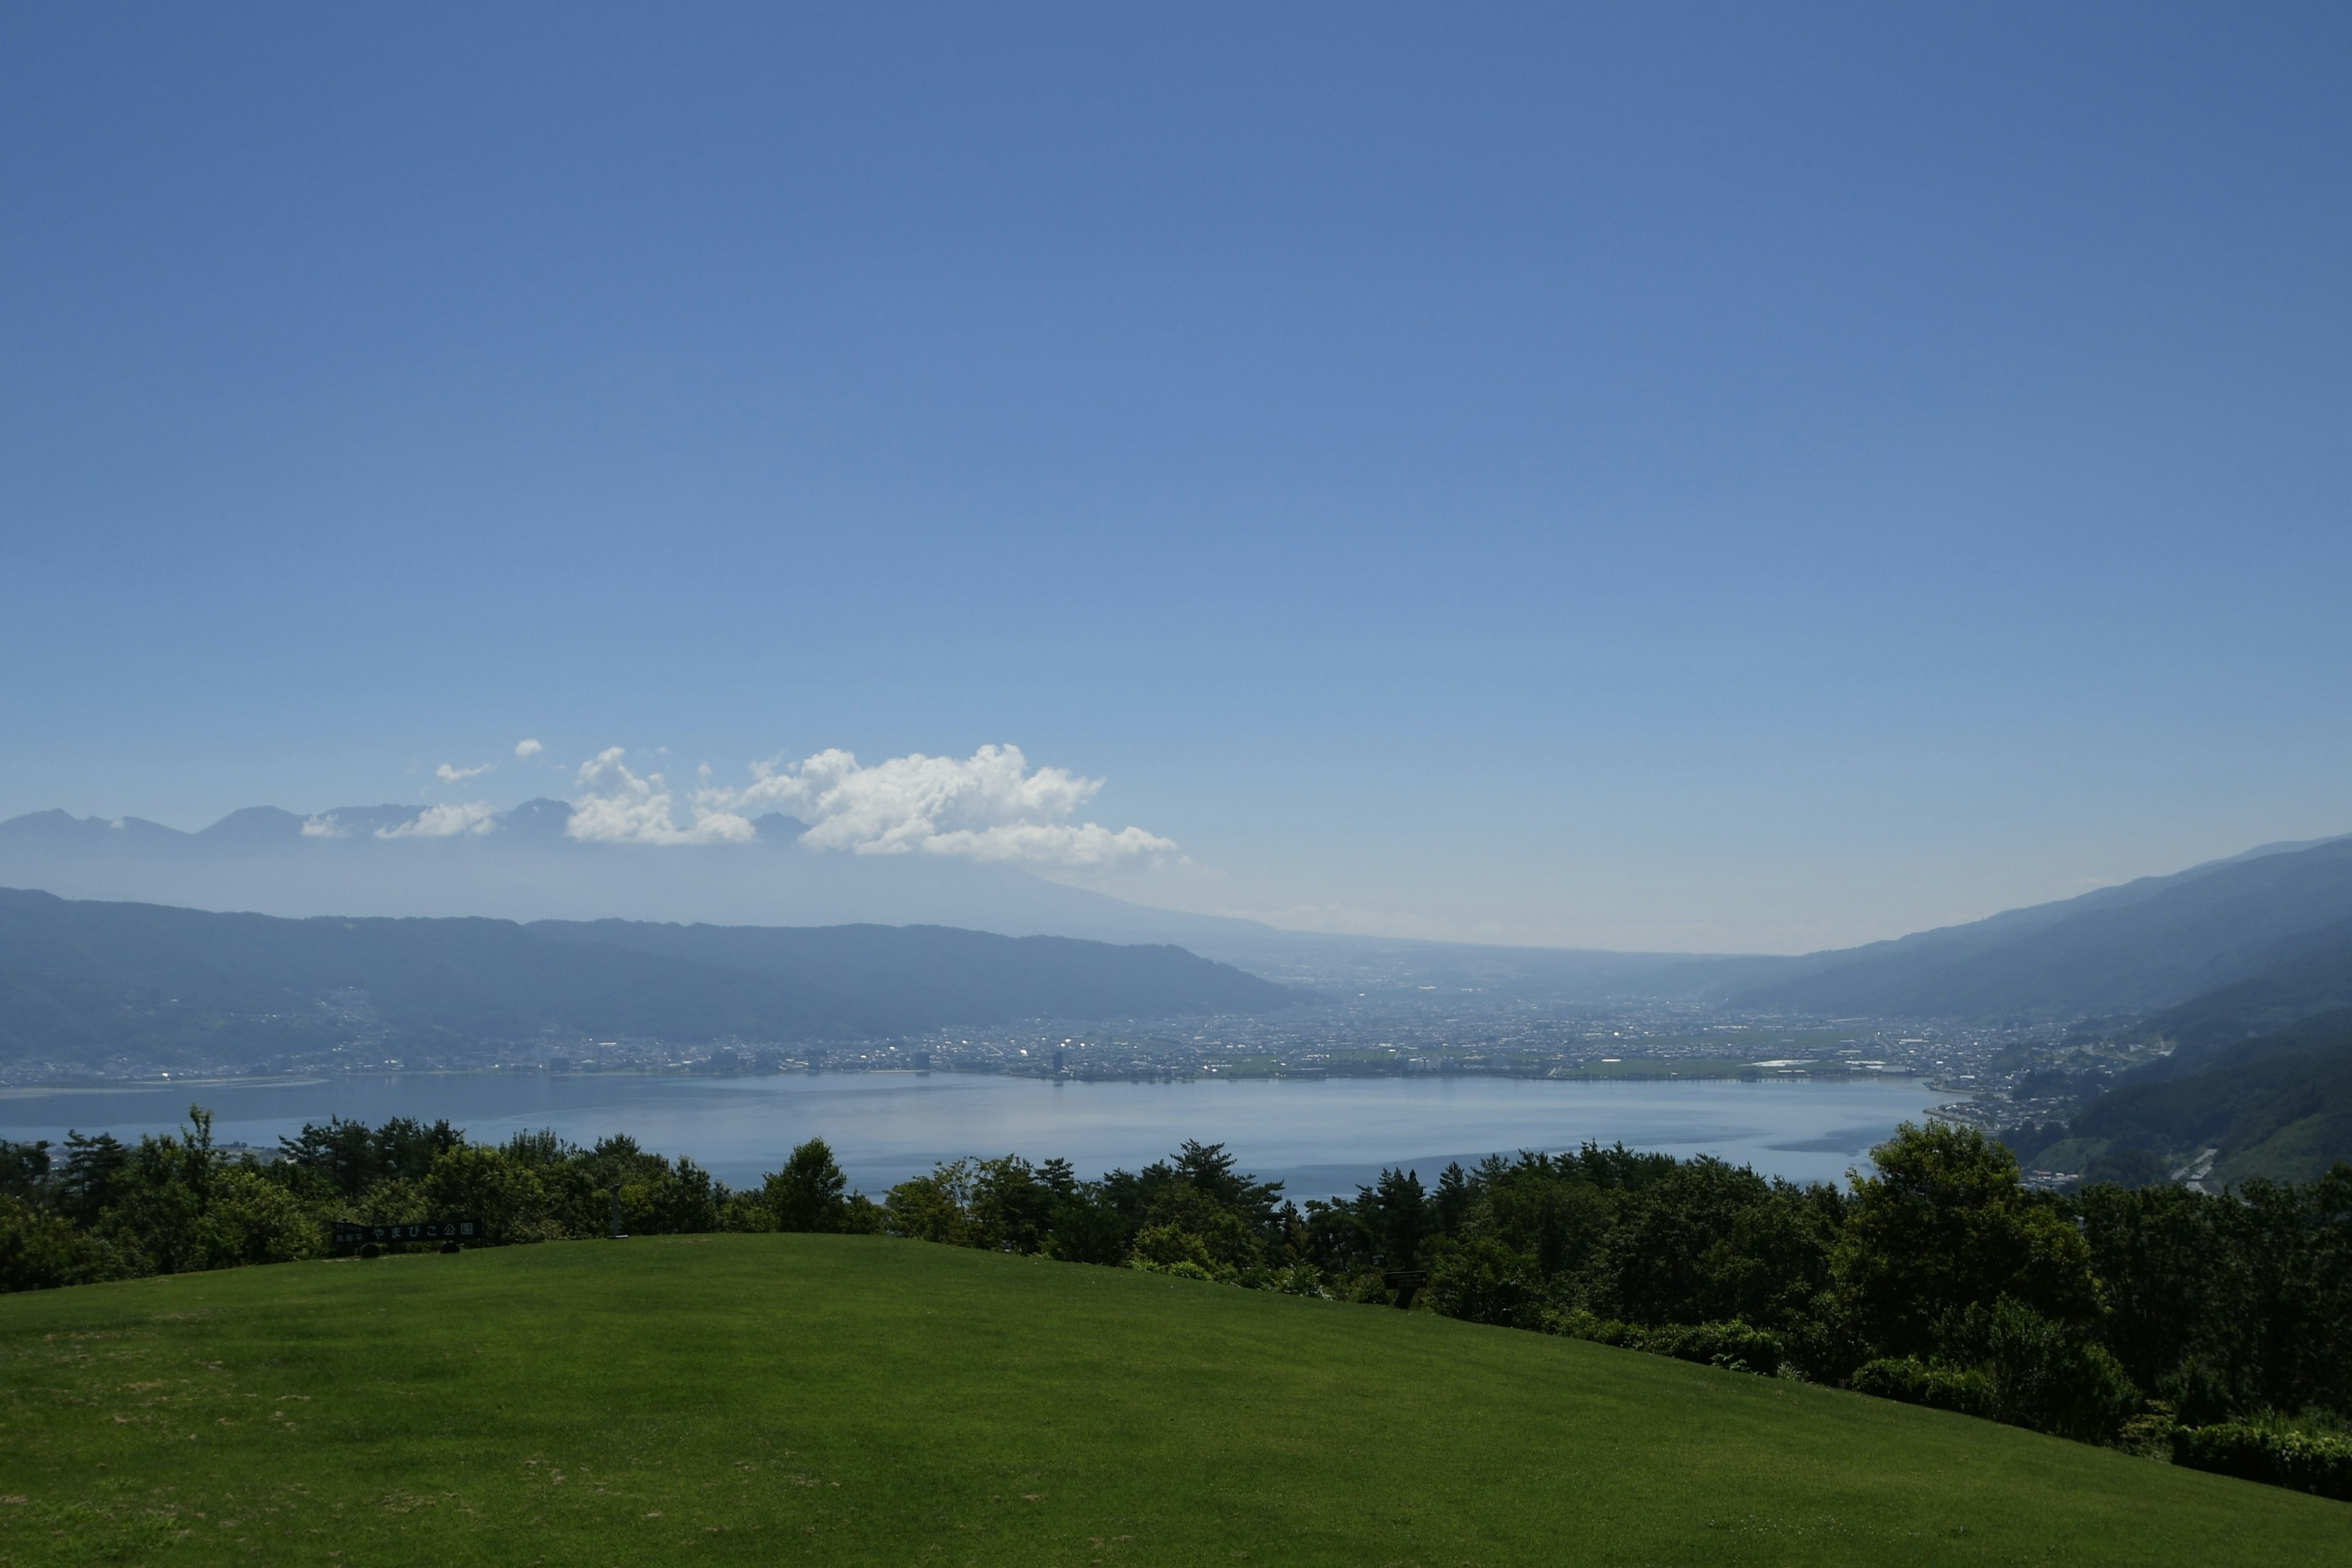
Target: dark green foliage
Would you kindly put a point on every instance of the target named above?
(39, 1250)
(2048, 1376)
(810, 1194)
(175, 1204)
(2228, 1305)
(2127, 1168)
(1946, 1225)
(346, 1158)
(23, 1170)
(1965, 1390)
(2279, 1455)
(1734, 1346)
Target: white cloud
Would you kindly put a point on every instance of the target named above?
(526, 750)
(987, 807)
(320, 827)
(448, 775)
(443, 822)
(619, 807)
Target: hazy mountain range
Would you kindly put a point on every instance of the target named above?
(88, 981)
(2277, 919)
(522, 865)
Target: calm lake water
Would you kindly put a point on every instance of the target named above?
(1318, 1138)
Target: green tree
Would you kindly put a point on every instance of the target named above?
(810, 1194)
(934, 1207)
(40, 1250)
(1947, 1225)
(491, 1187)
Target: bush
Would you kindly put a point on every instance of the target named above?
(1915, 1382)
(934, 1207)
(1732, 1344)
(2045, 1375)
(253, 1220)
(1740, 1347)
(1481, 1280)
(39, 1251)
(496, 1189)
(2279, 1455)
(1171, 1249)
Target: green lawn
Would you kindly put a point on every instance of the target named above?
(783, 1399)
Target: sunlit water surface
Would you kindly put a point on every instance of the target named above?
(1316, 1137)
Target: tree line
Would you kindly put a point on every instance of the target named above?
(2215, 1327)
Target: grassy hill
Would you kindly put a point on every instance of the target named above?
(788, 1399)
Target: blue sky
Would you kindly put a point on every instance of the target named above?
(1648, 477)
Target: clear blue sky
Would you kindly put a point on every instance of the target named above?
(1651, 476)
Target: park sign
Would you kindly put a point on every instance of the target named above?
(348, 1234)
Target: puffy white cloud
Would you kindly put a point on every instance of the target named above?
(987, 807)
(617, 805)
(448, 775)
(526, 750)
(319, 828)
(443, 822)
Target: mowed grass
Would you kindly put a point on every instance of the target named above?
(818, 1399)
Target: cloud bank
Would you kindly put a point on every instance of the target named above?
(989, 807)
(443, 822)
(617, 805)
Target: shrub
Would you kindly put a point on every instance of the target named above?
(39, 1251)
(2045, 1374)
(1915, 1382)
(1732, 1344)
(255, 1220)
(1741, 1347)
(2279, 1455)
(494, 1188)
(936, 1208)
(1171, 1249)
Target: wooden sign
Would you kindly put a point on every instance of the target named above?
(348, 1234)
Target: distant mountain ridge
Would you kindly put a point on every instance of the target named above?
(2135, 949)
(521, 865)
(87, 981)
(526, 868)
(2146, 945)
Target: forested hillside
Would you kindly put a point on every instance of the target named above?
(2279, 1106)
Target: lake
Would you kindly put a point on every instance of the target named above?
(1316, 1137)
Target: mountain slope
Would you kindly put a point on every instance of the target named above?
(86, 981)
(372, 860)
(2312, 976)
(2280, 1106)
(2103, 953)
(522, 865)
